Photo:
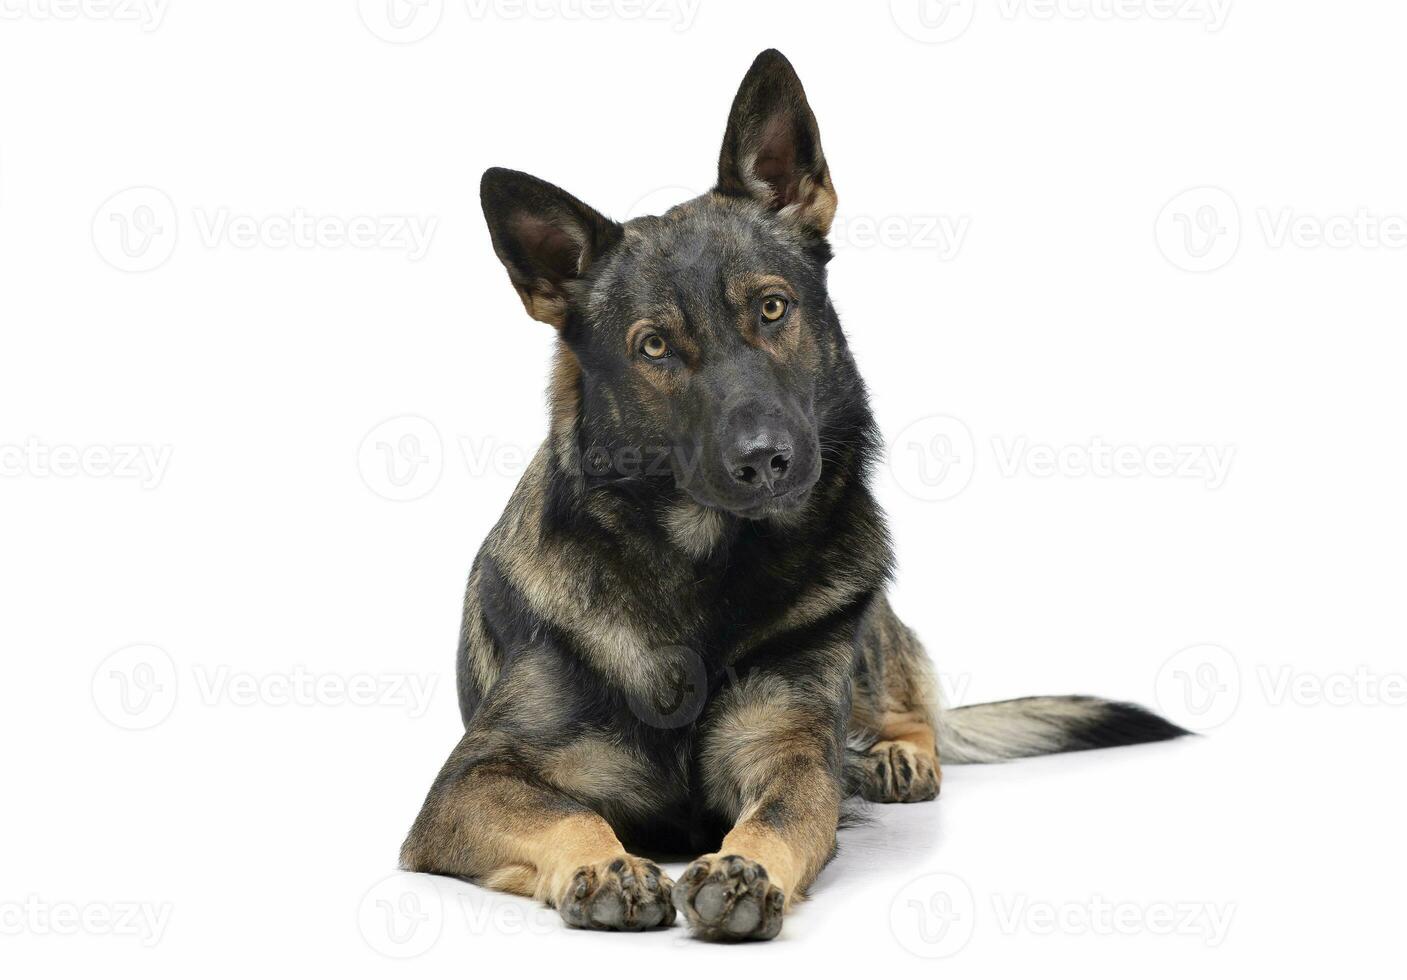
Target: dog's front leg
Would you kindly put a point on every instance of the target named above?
(771, 758)
(484, 820)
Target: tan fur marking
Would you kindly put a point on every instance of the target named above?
(694, 528)
(564, 396)
(504, 832)
(544, 303)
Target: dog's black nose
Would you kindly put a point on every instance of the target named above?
(760, 459)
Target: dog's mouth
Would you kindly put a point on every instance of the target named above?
(761, 485)
(776, 504)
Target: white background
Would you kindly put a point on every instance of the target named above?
(289, 395)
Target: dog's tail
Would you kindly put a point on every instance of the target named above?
(1001, 730)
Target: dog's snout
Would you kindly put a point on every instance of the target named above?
(763, 456)
(760, 459)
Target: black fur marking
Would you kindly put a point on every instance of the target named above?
(1121, 723)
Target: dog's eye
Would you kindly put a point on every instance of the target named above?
(654, 347)
(773, 308)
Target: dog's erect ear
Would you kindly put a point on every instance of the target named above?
(545, 238)
(772, 148)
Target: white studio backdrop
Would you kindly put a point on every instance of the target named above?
(1124, 277)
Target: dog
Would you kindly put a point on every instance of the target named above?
(676, 640)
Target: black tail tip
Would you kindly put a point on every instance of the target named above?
(1123, 723)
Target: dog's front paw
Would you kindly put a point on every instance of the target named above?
(900, 772)
(627, 893)
(729, 897)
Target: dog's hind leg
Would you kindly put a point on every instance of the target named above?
(893, 730)
(483, 821)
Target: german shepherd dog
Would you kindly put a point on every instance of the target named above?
(676, 639)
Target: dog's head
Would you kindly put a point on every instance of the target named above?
(705, 335)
